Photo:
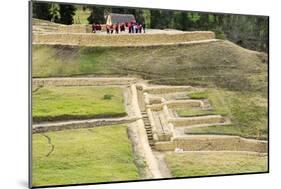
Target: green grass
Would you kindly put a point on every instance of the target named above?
(216, 100)
(217, 130)
(57, 103)
(190, 112)
(247, 111)
(99, 154)
(220, 64)
(202, 164)
(198, 95)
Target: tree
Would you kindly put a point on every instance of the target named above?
(97, 15)
(40, 10)
(155, 18)
(54, 12)
(66, 14)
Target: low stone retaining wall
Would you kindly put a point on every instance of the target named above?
(58, 126)
(89, 39)
(184, 103)
(174, 104)
(81, 81)
(167, 89)
(77, 28)
(197, 120)
(213, 143)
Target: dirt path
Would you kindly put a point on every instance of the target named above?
(165, 171)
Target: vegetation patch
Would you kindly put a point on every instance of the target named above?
(79, 102)
(248, 113)
(216, 99)
(217, 64)
(81, 15)
(99, 154)
(212, 163)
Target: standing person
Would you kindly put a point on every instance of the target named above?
(143, 27)
(94, 27)
(134, 28)
(117, 28)
(130, 27)
(122, 27)
(111, 29)
(139, 28)
(107, 28)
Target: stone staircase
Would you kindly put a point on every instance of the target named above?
(148, 128)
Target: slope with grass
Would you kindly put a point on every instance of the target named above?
(100, 154)
(60, 103)
(215, 163)
(247, 111)
(222, 64)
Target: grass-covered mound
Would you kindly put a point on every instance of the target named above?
(212, 163)
(99, 154)
(247, 111)
(79, 102)
(221, 64)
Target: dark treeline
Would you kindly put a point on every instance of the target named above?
(59, 13)
(247, 31)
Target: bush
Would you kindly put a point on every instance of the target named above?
(107, 97)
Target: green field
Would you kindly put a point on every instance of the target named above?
(58, 103)
(99, 154)
(247, 111)
(212, 163)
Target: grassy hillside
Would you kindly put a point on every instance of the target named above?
(99, 154)
(60, 103)
(212, 163)
(221, 64)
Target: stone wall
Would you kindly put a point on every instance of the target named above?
(213, 143)
(89, 39)
(79, 28)
(57, 126)
(81, 81)
(167, 89)
(186, 121)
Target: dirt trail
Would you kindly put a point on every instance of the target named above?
(165, 171)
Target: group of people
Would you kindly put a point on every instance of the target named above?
(132, 27)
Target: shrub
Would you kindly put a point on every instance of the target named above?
(107, 97)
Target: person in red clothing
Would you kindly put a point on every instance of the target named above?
(107, 28)
(122, 27)
(117, 28)
(111, 29)
(94, 28)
